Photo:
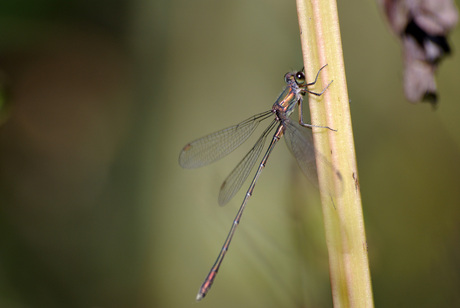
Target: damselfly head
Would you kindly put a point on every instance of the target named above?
(297, 77)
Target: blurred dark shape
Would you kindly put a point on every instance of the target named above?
(62, 226)
(4, 97)
(422, 26)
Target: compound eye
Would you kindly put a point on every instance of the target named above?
(286, 77)
(300, 78)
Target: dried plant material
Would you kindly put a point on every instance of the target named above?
(423, 26)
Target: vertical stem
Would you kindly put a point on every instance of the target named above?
(343, 218)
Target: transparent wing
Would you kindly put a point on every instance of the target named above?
(214, 146)
(238, 176)
(300, 142)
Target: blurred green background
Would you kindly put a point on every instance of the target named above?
(99, 97)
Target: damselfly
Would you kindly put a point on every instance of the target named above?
(214, 146)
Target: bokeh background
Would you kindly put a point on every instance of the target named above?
(98, 98)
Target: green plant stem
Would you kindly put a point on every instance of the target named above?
(343, 218)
